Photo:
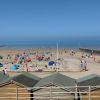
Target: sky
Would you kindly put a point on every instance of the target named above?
(49, 18)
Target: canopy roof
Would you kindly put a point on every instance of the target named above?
(56, 79)
(90, 80)
(30, 81)
(24, 79)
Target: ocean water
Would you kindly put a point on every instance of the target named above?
(62, 43)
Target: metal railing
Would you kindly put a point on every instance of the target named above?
(51, 93)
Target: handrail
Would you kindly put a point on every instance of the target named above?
(50, 93)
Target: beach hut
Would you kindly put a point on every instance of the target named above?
(19, 86)
(1, 65)
(91, 83)
(55, 80)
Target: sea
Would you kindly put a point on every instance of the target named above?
(51, 43)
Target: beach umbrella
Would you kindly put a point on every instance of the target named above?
(51, 63)
(46, 52)
(1, 65)
(17, 65)
(14, 67)
(39, 59)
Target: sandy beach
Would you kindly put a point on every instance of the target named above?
(67, 63)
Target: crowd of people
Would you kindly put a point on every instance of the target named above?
(24, 59)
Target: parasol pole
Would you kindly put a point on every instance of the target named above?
(57, 54)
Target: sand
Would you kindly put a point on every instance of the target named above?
(69, 63)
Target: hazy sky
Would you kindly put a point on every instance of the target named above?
(49, 18)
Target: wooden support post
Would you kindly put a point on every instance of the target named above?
(76, 96)
(31, 95)
(16, 93)
(51, 93)
(89, 93)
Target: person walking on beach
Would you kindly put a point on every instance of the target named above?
(85, 66)
(82, 65)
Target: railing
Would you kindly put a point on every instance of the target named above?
(51, 93)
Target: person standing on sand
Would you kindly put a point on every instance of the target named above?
(26, 67)
(3, 72)
(85, 66)
(82, 65)
(6, 71)
(72, 52)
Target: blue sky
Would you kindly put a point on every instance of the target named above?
(49, 18)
